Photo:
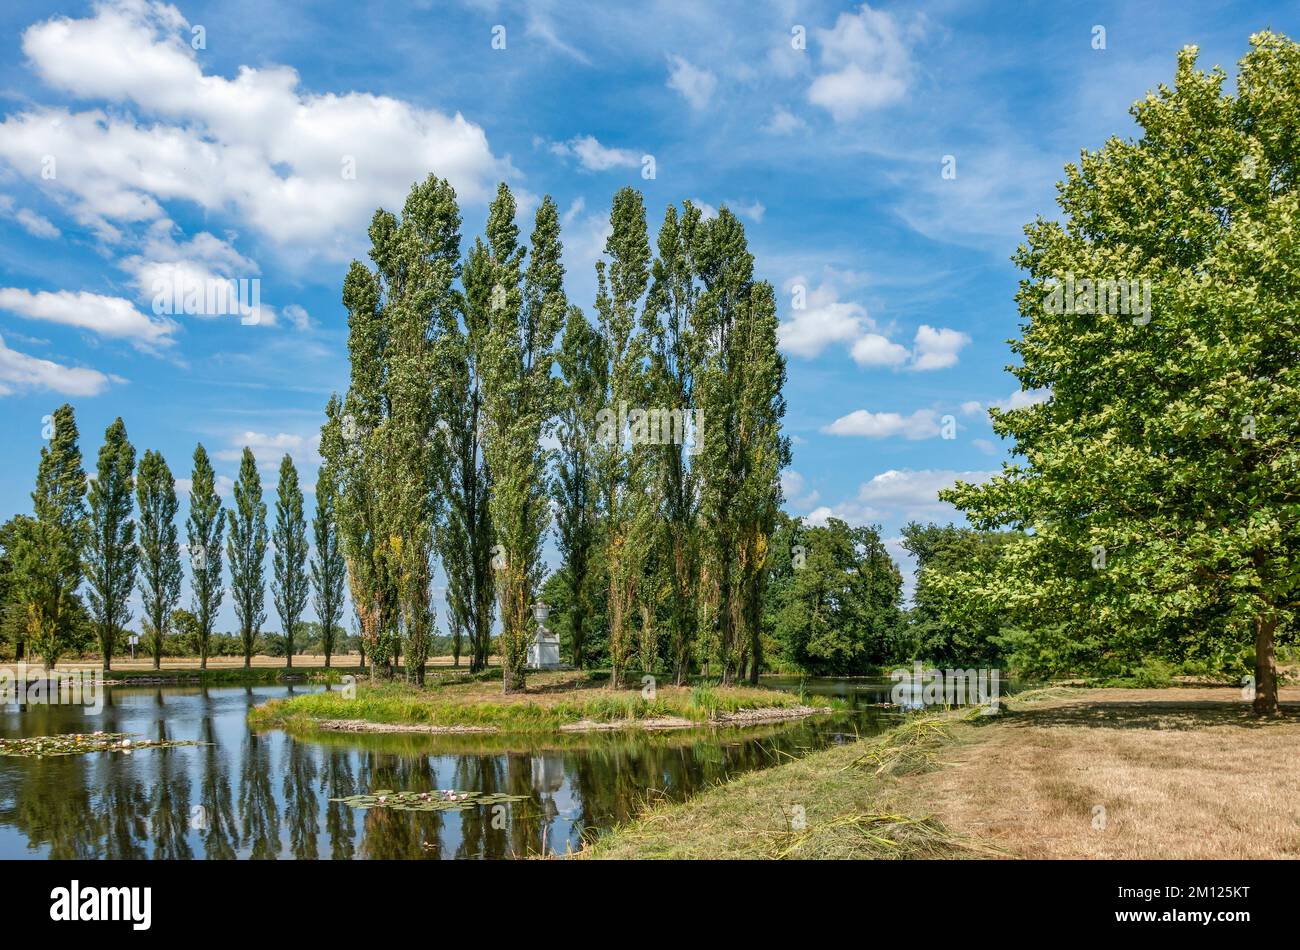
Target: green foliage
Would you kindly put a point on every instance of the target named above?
(835, 599)
(1167, 451)
(945, 625)
(204, 529)
(465, 538)
(160, 561)
(328, 567)
(578, 524)
(246, 550)
(520, 397)
(111, 553)
(289, 585)
(48, 548)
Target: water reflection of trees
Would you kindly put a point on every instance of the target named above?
(220, 832)
(301, 809)
(259, 817)
(337, 781)
(110, 805)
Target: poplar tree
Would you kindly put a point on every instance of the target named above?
(289, 586)
(328, 567)
(203, 531)
(418, 263)
(246, 551)
(466, 537)
(675, 353)
(111, 553)
(48, 560)
(575, 488)
(350, 445)
(620, 287)
(160, 560)
(738, 385)
(764, 452)
(520, 396)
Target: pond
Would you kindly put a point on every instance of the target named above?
(243, 794)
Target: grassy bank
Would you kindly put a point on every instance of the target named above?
(1061, 773)
(553, 701)
(844, 802)
(229, 676)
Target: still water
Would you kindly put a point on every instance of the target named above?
(244, 794)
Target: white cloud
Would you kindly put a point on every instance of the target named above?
(707, 210)
(784, 122)
(696, 85)
(826, 319)
(37, 225)
(922, 424)
(823, 320)
(595, 157)
(795, 489)
(18, 371)
(937, 349)
(1022, 398)
(985, 445)
(898, 496)
(269, 447)
(298, 316)
(224, 485)
(872, 349)
(112, 317)
(866, 64)
(753, 210)
(972, 407)
(257, 145)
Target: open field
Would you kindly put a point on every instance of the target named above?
(559, 701)
(1180, 773)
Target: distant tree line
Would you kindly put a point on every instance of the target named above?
(117, 532)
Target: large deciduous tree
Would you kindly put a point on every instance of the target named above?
(1158, 482)
(111, 552)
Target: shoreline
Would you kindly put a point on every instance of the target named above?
(1059, 773)
(740, 719)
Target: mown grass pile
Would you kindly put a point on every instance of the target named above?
(847, 801)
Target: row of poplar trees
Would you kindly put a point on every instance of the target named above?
(473, 421)
(67, 571)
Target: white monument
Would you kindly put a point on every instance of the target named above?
(544, 651)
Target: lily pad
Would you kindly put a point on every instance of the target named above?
(445, 799)
(74, 743)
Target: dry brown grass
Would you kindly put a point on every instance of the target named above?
(1181, 773)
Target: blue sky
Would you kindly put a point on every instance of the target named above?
(213, 139)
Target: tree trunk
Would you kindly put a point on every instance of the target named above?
(1265, 667)
(327, 659)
